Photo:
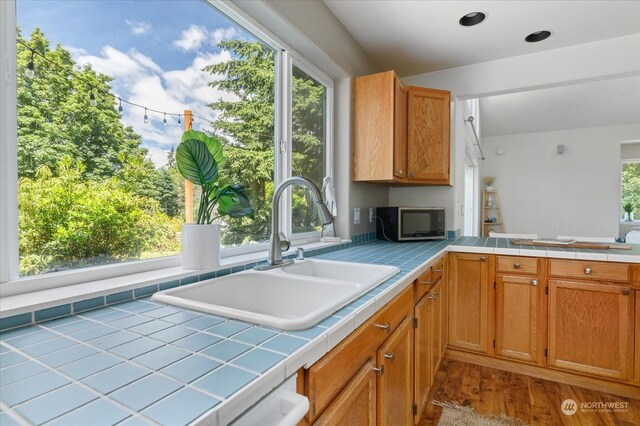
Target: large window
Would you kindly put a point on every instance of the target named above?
(100, 106)
(630, 190)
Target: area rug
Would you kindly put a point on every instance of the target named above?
(454, 414)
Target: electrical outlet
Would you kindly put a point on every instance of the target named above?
(370, 214)
(356, 216)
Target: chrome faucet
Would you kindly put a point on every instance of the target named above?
(278, 239)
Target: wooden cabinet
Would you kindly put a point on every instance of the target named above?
(518, 317)
(430, 313)
(379, 128)
(590, 328)
(637, 339)
(401, 134)
(356, 404)
(428, 146)
(395, 380)
(468, 301)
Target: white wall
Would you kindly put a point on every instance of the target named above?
(314, 32)
(576, 193)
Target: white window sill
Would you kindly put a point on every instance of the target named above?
(33, 301)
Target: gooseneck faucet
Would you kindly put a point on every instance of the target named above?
(277, 238)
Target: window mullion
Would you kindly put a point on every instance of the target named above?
(284, 149)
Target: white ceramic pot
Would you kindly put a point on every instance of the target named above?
(200, 246)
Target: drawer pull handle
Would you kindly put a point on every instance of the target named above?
(516, 265)
(379, 370)
(434, 296)
(587, 271)
(399, 172)
(483, 258)
(425, 282)
(534, 282)
(389, 356)
(438, 270)
(385, 327)
(626, 291)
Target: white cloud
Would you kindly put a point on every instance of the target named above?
(192, 38)
(222, 34)
(138, 27)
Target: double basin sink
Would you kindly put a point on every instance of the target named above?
(292, 297)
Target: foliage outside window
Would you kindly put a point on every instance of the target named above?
(631, 188)
(91, 188)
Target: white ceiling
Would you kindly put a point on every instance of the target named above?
(601, 103)
(414, 36)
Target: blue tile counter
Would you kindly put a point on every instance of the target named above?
(141, 362)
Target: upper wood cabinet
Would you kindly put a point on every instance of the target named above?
(468, 301)
(400, 134)
(428, 135)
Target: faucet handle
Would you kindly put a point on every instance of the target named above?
(285, 244)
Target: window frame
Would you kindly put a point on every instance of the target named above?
(284, 58)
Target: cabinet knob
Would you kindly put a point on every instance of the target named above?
(425, 282)
(626, 291)
(483, 258)
(534, 282)
(379, 370)
(399, 172)
(516, 265)
(385, 327)
(440, 270)
(587, 271)
(389, 356)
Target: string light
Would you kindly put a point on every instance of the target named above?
(30, 72)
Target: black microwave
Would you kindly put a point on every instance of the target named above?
(410, 223)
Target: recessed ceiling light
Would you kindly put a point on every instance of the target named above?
(471, 19)
(537, 36)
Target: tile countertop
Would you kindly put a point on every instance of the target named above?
(141, 362)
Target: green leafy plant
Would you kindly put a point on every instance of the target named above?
(628, 207)
(199, 157)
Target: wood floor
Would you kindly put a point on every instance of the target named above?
(535, 401)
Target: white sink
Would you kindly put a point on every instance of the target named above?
(294, 297)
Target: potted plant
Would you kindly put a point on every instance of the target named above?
(628, 207)
(199, 157)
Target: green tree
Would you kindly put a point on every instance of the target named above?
(67, 221)
(631, 186)
(246, 127)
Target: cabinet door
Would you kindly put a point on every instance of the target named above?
(356, 404)
(590, 328)
(517, 317)
(468, 301)
(444, 307)
(422, 373)
(395, 381)
(637, 328)
(435, 319)
(400, 130)
(428, 135)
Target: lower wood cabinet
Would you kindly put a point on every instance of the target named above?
(356, 404)
(468, 301)
(591, 328)
(395, 377)
(637, 348)
(518, 331)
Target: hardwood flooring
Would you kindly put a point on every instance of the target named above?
(535, 401)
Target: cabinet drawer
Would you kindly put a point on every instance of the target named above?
(424, 283)
(587, 270)
(327, 377)
(517, 265)
(438, 269)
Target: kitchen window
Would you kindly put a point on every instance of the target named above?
(630, 191)
(98, 110)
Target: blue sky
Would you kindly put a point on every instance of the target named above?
(154, 50)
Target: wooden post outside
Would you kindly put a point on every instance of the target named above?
(188, 186)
